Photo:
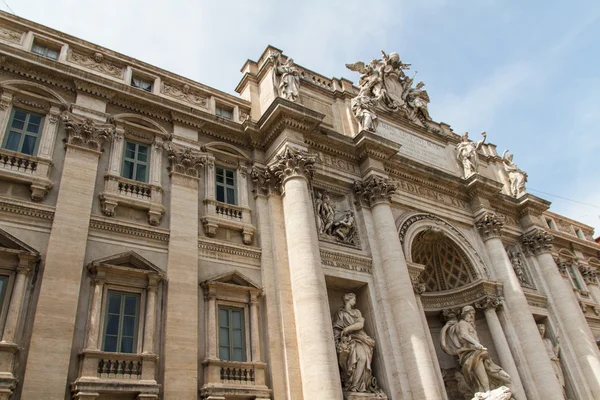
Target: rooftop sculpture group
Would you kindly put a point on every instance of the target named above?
(384, 83)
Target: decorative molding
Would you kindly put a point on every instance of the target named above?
(96, 62)
(264, 181)
(35, 74)
(184, 93)
(15, 207)
(490, 226)
(226, 251)
(477, 291)
(10, 35)
(418, 286)
(184, 160)
(537, 242)
(33, 104)
(490, 301)
(375, 189)
(563, 265)
(292, 163)
(346, 261)
(93, 89)
(536, 299)
(85, 132)
(589, 274)
(519, 266)
(129, 230)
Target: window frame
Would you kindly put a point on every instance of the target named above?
(23, 132)
(46, 48)
(141, 292)
(6, 300)
(220, 302)
(219, 108)
(135, 161)
(142, 79)
(226, 186)
(230, 329)
(121, 325)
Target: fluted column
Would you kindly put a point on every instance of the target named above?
(539, 244)
(318, 360)
(16, 302)
(54, 322)
(547, 385)
(375, 192)
(501, 344)
(150, 320)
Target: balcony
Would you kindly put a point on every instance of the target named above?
(240, 380)
(123, 191)
(23, 168)
(223, 215)
(103, 373)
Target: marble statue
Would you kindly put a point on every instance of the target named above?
(553, 352)
(466, 153)
(501, 393)
(459, 338)
(289, 78)
(327, 215)
(345, 229)
(516, 177)
(341, 228)
(354, 349)
(383, 83)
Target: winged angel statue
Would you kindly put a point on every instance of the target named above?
(383, 82)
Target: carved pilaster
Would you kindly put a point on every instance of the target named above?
(418, 286)
(488, 302)
(184, 160)
(490, 225)
(537, 242)
(292, 163)
(589, 274)
(518, 263)
(563, 265)
(85, 132)
(374, 189)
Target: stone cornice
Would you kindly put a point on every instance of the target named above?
(13, 206)
(537, 241)
(370, 145)
(346, 261)
(532, 205)
(480, 186)
(374, 189)
(331, 142)
(490, 225)
(115, 226)
(477, 292)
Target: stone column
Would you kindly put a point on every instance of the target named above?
(54, 323)
(211, 323)
(150, 319)
(16, 302)
(93, 333)
(376, 192)
(181, 324)
(318, 360)
(501, 344)
(254, 331)
(490, 227)
(6, 100)
(539, 244)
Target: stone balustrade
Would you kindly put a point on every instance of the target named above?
(24, 168)
(242, 378)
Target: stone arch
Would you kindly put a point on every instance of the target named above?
(18, 84)
(222, 147)
(145, 121)
(450, 259)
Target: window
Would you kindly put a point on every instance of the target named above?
(224, 112)
(121, 323)
(550, 223)
(23, 131)
(579, 234)
(45, 51)
(135, 162)
(3, 286)
(225, 180)
(141, 84)
(231, 334)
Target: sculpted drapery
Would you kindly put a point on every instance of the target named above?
(354, 348)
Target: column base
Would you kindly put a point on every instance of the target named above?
(364, 396)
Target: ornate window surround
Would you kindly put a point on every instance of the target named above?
(118, 190)
(23, 168)
(222, 377)
(105, 372)
(223, 215)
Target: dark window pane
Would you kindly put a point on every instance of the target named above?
(52, 54)
(131, 305)
(219, 178)
(236, 319)
(140, 174)
(238, 355)
(128, 326)
(223, 318)
(237, 338)
(229, 174)
(114, 303)
(220, 193)
(110, 343)
(112, 324)
(224, 353)
(142, 152)
(231, 196)
(223, 337)
(12, 142)
(28, 144)
(229, 181)
(35, 119)
(20, 115)
(128, 170)
(18, 124)
(127, 345)
(33, 128)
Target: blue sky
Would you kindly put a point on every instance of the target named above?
(524, 71)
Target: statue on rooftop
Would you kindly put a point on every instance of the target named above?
(466, 153)
(516, 176)
(289, 78)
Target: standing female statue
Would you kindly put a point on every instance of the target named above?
(354, 348)
(466, 153)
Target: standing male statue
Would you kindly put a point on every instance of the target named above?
(553, 352)
(516, 176)
(467, 154)
(459, 338)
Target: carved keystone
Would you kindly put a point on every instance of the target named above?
(490, 225)
(374, 189)
(537, 242)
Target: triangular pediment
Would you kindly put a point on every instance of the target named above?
(8, 241)
(233, 278)
(129, 259)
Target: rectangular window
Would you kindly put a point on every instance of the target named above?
(3, 287)
(45, 51)
(121, 322)
(224, 112)
(23, 132)
(135, 161)
(141, 84)
(232, 346)
(225, 181)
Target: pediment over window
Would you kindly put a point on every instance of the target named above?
(231, 282)
(12, 245)
(129, 266)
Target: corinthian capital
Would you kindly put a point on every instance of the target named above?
(488, 302)
(184, 160)
(418, 286)
(490, 225)
(537, 242)
(374, 189)
(292, 163)
(264, 181)
(84, 132)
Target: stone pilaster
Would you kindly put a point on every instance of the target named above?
(489, 305)
(181, 324)
(318, 360)
(376, 192)
(539, 244)
(54, 322)
(11, 324)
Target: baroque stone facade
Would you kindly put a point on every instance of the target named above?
(307, 239)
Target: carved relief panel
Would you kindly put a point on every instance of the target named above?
(519, 265)
(335, 218)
